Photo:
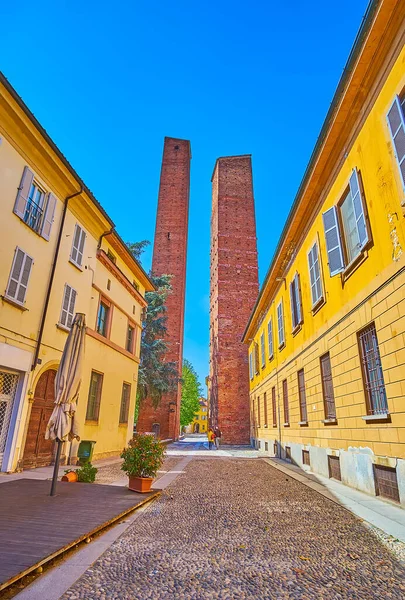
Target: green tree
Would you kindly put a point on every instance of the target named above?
(191, 391)
(156, 376)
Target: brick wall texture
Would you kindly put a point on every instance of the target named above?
(169, 257)
(234, 290)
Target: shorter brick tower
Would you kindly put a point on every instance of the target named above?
(169, 258)
(234, 290)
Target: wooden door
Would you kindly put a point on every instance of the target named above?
(38, 451)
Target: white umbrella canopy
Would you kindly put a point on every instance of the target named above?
(62, 425)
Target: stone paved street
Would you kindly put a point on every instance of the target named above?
(231, 528)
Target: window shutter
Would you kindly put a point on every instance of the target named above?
(280, 318)
(81, 246)
(270, 338)
(19, 276)
(333, 241)
(48, 217)
(358, 208)
(298, 298)
(396, 124)
(292, 301)
(68, 306)
(78, 245)
(23, 192)
(262, 349)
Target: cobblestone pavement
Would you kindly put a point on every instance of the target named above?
(235, 529)
(112, 473)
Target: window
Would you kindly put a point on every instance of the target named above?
(251, 365)
(258, 411)
(103, 318)
(376, 397)
(256, 358)
(111, 256)
(130, 343)
(302, 397)
(19, 276)
(76, 254)
(270, 338)
(295, 295)
(327, 388)
(396, 123)
(265, 408)
(273, 406)
(125, 402)
(305, 458)
(68, 306)
(315, 274)
(285, 403)
(93, 402)
(386, 482)
(31, 205)
(280, 324)
(262, 350)
(334, 467)
(344, 243)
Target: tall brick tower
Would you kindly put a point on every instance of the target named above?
(234, 290)
(169, 257)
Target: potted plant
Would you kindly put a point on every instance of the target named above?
(142, 459)
(70, 475)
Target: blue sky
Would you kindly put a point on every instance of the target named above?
(109, 80)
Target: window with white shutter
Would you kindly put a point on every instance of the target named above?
(68, 306)
(270, 338)
(295, 296)
(19, 276)
(315, 274)
(333, 241)
(280, 324)
(396, 124)
(262, 350)
(76, 254)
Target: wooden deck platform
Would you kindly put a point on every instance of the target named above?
(34, 527)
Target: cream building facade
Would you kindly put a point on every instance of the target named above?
(60, 254)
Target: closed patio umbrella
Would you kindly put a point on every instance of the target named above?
(62, 426)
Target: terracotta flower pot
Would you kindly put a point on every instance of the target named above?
(140, 484)
(71, 476)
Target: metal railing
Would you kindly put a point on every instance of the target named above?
(33, 215)
(373, 373)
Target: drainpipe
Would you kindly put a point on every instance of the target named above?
(104, 235)
(53, 269)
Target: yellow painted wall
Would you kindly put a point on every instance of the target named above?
(372, 154)
(202, 419)
(21, 145)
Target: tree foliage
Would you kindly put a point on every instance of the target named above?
(191, 391)
(156, 376)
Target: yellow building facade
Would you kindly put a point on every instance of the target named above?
(327, 335)
(200, 422)
(60, 255)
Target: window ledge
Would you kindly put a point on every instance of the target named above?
(302, 423)
(356, 262)
(123, 425)
(318, 305)
(63, 327)
(281, 346)
(72, 262)
(274, 424)
(297, 329)
(381, 417)
(13, 303)
(286, 424)
(329, 421)
(90, 422)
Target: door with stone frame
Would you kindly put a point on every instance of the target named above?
(38, 451)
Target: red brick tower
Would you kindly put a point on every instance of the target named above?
(234, 290)
(169, 257)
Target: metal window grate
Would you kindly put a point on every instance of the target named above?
(305, 457)
(8, 388)
(285, 402)
(275, 448)
(327, 387)
(376, 396)
(265, 408)
(274, 407)
(266, 446)
(386, 483)
(125, 402)
(302, 396)
(334, 468)
(287, 453)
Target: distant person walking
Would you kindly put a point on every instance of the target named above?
(211, 438)
(218, 435)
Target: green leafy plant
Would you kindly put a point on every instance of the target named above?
(87, 473)
(191, 392)
(143, 457)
